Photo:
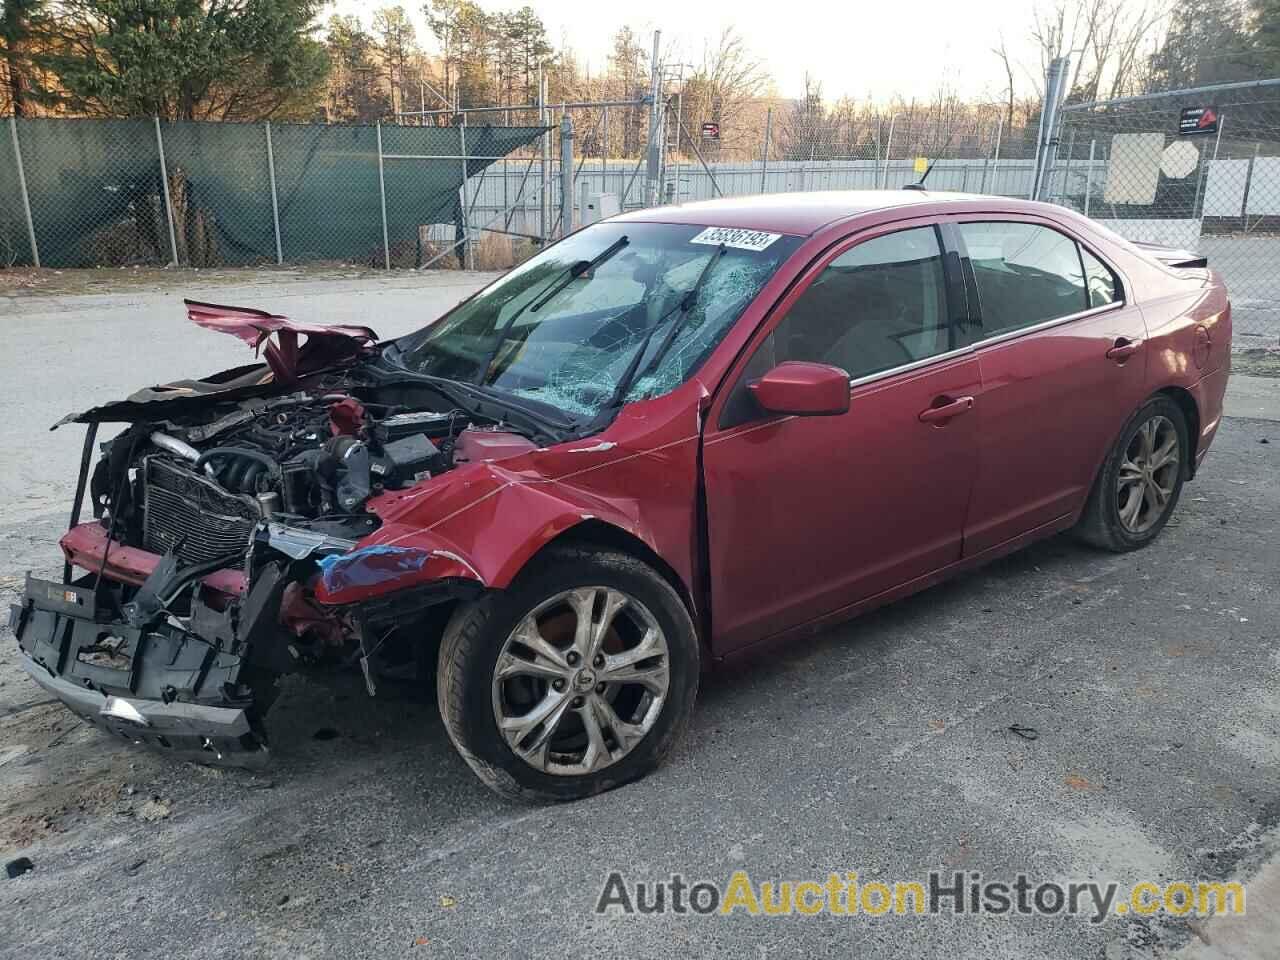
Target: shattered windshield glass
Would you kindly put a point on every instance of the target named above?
(565, 328)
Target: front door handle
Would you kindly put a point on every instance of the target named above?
(1124, 349)
(946, 409)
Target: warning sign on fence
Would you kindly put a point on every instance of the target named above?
(1198, 120)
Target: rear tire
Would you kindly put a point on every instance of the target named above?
(615, 686)
(1138, 486)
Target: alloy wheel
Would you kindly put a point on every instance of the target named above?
(1148, 475)
(580, 681)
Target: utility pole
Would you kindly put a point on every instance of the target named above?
(566, 174)
(1047, 134)
(653, 172)
(544, 199)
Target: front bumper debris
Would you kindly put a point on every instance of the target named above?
(160, 686)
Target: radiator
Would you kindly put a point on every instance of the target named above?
(183, 507)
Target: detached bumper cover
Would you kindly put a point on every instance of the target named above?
(186, 731)
(164, 688)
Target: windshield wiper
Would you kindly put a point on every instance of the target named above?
(563, 280)
(683, 307)
(573, 273)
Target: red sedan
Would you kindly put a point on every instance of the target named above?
(669, 438)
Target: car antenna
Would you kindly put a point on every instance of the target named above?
(919, 184)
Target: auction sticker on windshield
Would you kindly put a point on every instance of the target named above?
(736, 238)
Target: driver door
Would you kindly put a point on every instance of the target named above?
(810, 514)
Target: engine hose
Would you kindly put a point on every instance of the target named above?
(179, 448)
(272, 467)
(232, 475)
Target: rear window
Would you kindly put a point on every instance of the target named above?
(1026, 274)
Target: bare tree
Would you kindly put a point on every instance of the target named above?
(1109, 42)
(1006, 61)
(729, 79)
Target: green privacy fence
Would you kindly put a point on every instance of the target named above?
(119, 192)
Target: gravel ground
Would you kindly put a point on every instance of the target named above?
(881, 747)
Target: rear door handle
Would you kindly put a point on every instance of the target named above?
(948, 409)
(1124, 349)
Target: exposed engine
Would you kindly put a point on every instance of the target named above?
(305, 459)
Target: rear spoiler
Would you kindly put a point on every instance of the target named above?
(1171, 256)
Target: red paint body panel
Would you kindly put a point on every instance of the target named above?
(84, 544)
(325, 345)
(638, 475)
(1050, 403)
(810, 514)
(474, 446)
(803, 389)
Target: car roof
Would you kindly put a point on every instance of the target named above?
(802, 214)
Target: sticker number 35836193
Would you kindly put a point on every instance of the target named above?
(736, 238)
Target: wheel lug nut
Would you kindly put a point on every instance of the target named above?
(599, 660)
(573, 659)
(578, 701)
(557, 685)
(600, 688)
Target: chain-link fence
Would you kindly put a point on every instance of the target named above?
(771, 146)
(1196, 169)
(781, 146)
(76, 193)
(484, 187)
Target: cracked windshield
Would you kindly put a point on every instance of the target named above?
(617, 312)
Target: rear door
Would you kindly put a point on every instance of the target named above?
(1063, 364)
(810, 514)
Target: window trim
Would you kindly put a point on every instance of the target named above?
(1082, 249)
(803, 280)
(971, 279)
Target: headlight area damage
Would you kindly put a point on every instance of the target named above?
(261, 521)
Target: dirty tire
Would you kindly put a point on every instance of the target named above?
(473, 641)
(1100, 523)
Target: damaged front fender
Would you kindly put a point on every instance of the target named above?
(483, 522)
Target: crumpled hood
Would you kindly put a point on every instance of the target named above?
(287, 360)
(324, 346)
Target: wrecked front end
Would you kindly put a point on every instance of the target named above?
(226, 548)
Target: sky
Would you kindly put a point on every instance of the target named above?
(855, 48)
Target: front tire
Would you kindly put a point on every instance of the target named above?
(1138, 486)
(579, 678)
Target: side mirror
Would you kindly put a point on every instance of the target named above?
(802, 389)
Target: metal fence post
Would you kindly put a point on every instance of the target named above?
(1202, 186)
(168, 202)
(1066, 167)
(468, 251)
(653, 170)
(764, 157)
(1088, 180)
(986, 161)
(604, 153)
(1047, 135)
(566, 174)
(275, 204)
(22, 188)
(382, 197)
(543, 149)
(888, 147)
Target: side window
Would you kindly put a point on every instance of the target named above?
(1103, 286)
(880, 304)
(1026, 274)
